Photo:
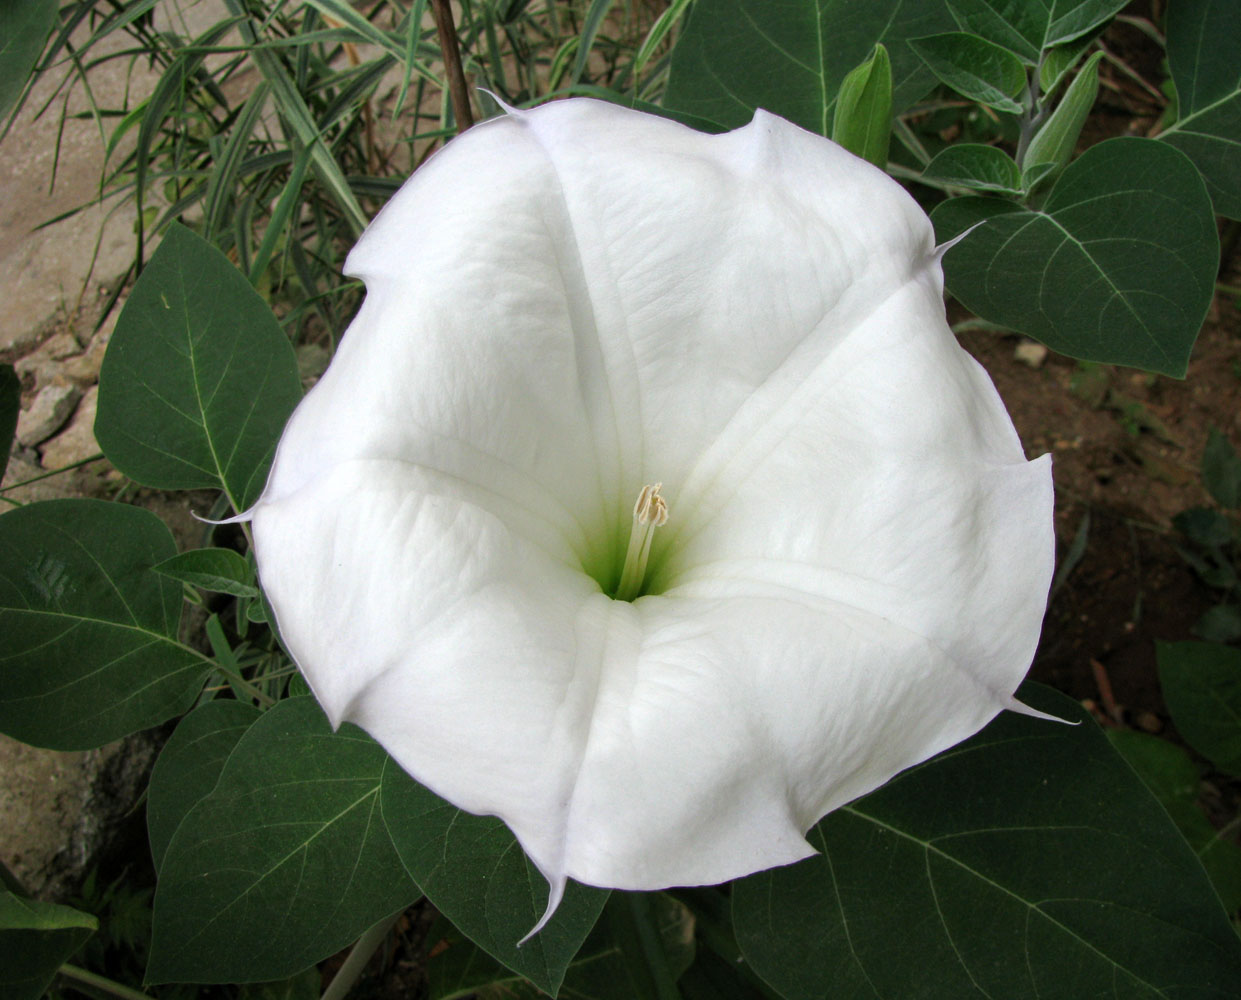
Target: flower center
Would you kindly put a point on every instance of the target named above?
(649, 513)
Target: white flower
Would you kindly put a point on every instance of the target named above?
(570, 304)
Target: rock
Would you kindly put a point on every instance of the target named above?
(77, 441)
(52, 406)
(42, 361)
(1031, 353)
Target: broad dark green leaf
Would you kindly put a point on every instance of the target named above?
(24, 27)
(790, 57)
(972, 66)
(1173, 779)
(1201, 684)
(284, 863)
(1221, 470)
(90, 650)
(1118, 265)
(198, 379)
(1222, 623)
(1028, 28)
(35, 940)
(189, 766)
(10, 406)
(974, 166)
(222, 571)
(1028, 862)
(863, 119)
(1056, 139)
(1204, 37)
(600, 970)
(1204, 526)
(473, 870)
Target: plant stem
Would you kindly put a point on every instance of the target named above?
(359, 955)
(449, 45)
(54, 472)
(101, 983)
(631, 916)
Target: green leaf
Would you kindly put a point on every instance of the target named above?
(1029, 861)
(1117, 266)
(1029, 29)
(222, 571)
(863, 120)
(198, 379)
(1204, 526)
(24, 27)
(738, 55)
(1203, 39)
(296, 117)
(90, 650)
(10, 406)
(1221, 623)
(1221, 470)
(1057, 138)
(1034, 175)
(284, 863)
(972, 165)
(189, 766)
(974, 67)
(35, 940)
(1058, 61)
(600, 970)
(1172, 777)
(472, 869)
(1201, 684)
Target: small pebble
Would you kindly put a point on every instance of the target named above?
(1031, 353)
(52, 406)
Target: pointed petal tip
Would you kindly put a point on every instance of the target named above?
(242, 518)
(938, 253)
(508, 108)
(554, 896)
(1013, 705)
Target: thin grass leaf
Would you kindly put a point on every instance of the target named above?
(297, 117)
(225, 175)
(660, 30)
(408, 58)
(289, 198)
(595, 14)
(362, 29)
(357, 86)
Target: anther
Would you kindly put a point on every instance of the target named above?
(649, 513)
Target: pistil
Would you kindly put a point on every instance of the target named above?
(649, 513)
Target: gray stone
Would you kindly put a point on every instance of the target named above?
(45, 360)
(53, 405)
(77, 441)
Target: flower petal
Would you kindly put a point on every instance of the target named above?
(565, 305)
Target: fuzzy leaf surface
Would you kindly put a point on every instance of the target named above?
(284, 863)
(90, 651)
(1203, 39)
(1028, 862)
(198, 379)
(473, 870)
(36, 938)
(1117, 266)
(789, 58)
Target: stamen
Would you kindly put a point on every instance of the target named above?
(649, 513)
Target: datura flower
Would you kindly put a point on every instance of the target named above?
(649, 503)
